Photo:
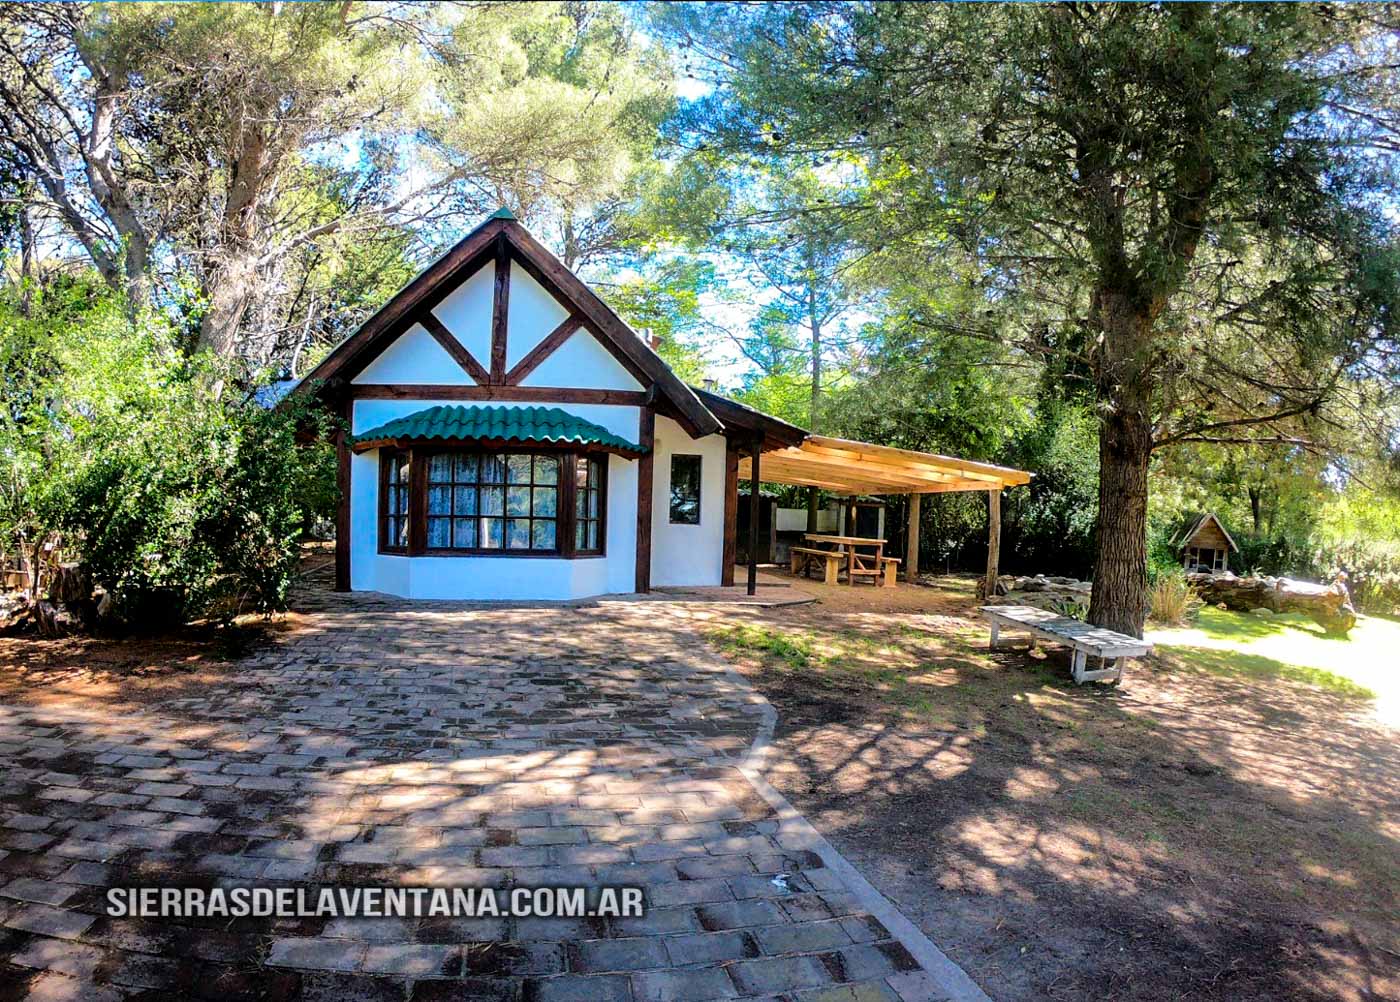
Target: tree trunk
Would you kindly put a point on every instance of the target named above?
(1124, 384)
(1119, 600)
(230, 288)
(1254, 509)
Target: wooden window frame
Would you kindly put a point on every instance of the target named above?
(601, 549)
(386, 461)
(699, 487)
(565, 521)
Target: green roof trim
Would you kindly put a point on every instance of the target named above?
(501, 213)
(526, 425)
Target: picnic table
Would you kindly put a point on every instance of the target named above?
(833, 553)
(1084, 639)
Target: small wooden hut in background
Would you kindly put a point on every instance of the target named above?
(1204, 546)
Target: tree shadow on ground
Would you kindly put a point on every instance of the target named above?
(1188, 835)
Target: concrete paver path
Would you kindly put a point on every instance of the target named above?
(432, 744)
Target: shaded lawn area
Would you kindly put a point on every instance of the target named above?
(1220, 826)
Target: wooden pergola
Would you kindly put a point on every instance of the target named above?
(843, 466)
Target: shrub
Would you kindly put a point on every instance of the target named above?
(183, 496)
(1173, 601)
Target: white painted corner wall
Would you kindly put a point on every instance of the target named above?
(687, 554)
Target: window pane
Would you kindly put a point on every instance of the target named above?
(493, 500)
(581, 474)
(581, 503)
(592, 535)
(440, 468)
(592, 504)
(399, 529)
(401, 469)
(546, 469)
(464, 533)
(518, 501)
(518, 468)
(595, 473)
(491, 533)
(466, 468)
(464, 501)
(685, 490)
(439, 501)
(543, 534)
(545, 500)
(518, 534)
(581, 536)
(493, 470)
(398, 501)
(438, 533)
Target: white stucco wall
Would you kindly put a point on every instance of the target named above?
(531, 313)
(687, 554)
(583, 363)
(414, 357)
(494, 577)
(466, 312)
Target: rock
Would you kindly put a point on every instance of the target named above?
(1261, 612)
(1328, 605)
(14, 612)
(71, 585)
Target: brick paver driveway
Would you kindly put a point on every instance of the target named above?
(428, 744)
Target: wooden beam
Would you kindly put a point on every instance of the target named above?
(731, 513)
(809, 463)
(993, 542)
(417, 502)
(645, 476)
(342, 507)
(752, 588)
(550, 394)
(1005, 474)
(874, 466)
(911, 546)
(453, 347)
(500, 312)
(552, 341)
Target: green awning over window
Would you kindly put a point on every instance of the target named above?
(494, 426)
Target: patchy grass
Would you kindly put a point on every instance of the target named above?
(1221, 826)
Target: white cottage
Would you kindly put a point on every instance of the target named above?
(508, 436)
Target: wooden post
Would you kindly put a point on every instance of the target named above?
(645, 477)
(753, 517)
(911, 542)
(993, 541)
(731, 513)
(342, 508)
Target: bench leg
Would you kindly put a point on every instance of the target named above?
(833, 572)
(996, 635)
(796, 559)
(1078, 666)
(891, 570)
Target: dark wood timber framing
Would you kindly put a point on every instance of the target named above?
(553, 340)
(453, 347)
(754, 481)
(398, 314)
(502, 241)
(500, 311)
(731, 512)
(645, 474)
(744, 422)
(549, 394)
(417, 502)
(342, 508)
(550, 272)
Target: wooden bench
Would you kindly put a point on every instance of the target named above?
(1083, 639)
(804, 557)
(889, 572)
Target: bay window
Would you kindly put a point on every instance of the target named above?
(437, 501)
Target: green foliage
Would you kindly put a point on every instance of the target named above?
(1171, 600)
(183, 497)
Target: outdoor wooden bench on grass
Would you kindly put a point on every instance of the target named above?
(1084, 639)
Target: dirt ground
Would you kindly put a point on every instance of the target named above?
(1185, 835)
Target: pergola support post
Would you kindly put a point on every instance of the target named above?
(911, 546)
(753, 517)
(993, 542)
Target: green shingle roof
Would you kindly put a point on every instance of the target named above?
(457, 423)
